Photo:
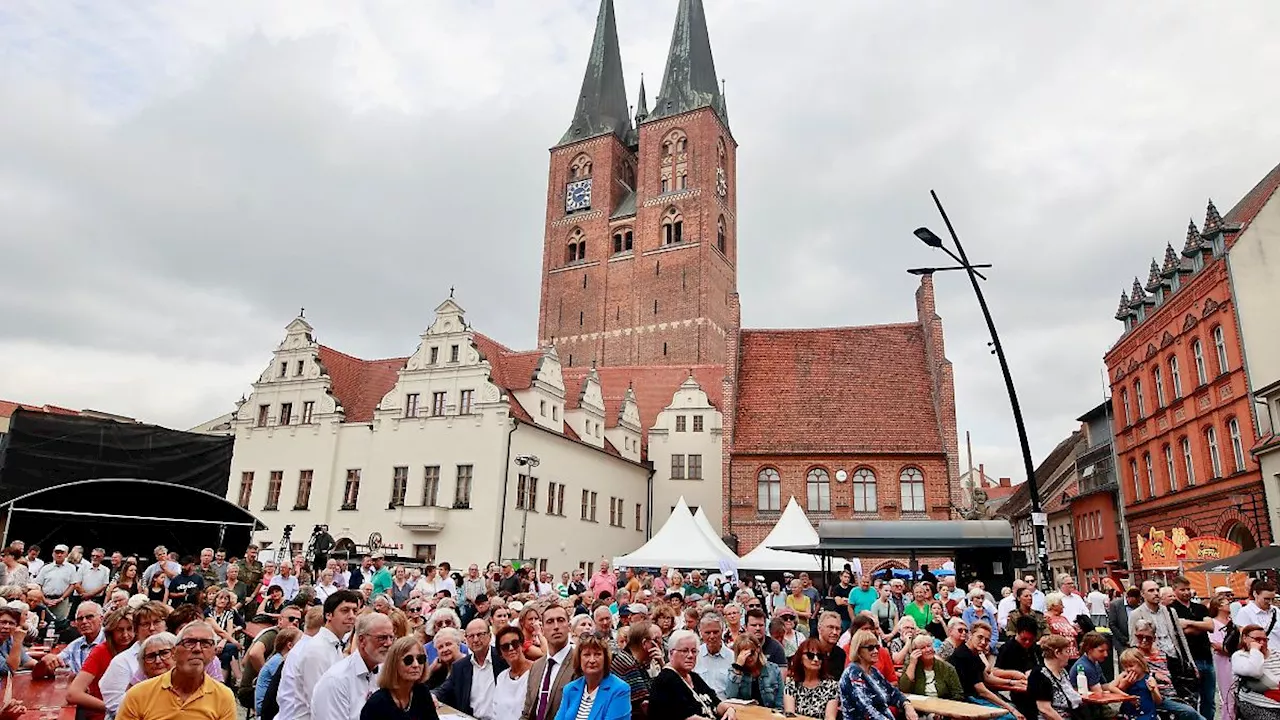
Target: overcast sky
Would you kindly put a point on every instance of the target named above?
(178, 178)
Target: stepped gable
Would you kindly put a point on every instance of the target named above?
(359, 385)
(654, 386)
(836, 390)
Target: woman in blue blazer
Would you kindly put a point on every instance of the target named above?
(597, 694)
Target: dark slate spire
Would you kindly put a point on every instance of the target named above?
(602, 104)
(642, 106)
(690, 81)
(1123, 311)
(1137, 295)
(1171, 261)
(1212, 220)
(1153, 277)
(1192, 245)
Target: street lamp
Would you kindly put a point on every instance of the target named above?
(530, 461)
(1038, 520)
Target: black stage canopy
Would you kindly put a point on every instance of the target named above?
(896, 538)
(119, 486)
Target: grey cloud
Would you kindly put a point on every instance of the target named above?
(1069, 142)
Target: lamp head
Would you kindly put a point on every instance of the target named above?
(928, 238)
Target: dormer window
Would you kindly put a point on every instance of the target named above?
(435, 355)
(284, 369)
(301, 365)
(453, 353)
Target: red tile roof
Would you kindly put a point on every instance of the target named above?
(359, 384)
(836, 390)
(1251, 204)
(7, 408)
(653, 385)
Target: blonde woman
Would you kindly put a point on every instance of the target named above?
(402, 694)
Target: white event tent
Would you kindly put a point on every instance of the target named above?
(680, 543)
(792, 528)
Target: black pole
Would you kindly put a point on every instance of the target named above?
(1042, 554)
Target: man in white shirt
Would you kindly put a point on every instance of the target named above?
(34, 563)
(1097, 601)
(162, 564)
(344, 688)
(1037, 597)
(286, 581)
(445, 581)
(1073, 605)
(473, 680)
(1261, 612)
(58, 581)
(309, 661)
(714, 659)
(1008, 603)
(95, 578)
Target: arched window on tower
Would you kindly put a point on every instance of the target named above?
(580, 167)
(672, 227)
(577, 248)
(622, 241)
(720, 235)
(675, 161)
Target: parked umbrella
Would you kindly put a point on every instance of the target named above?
(1262, 558)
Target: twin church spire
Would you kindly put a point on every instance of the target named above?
(689, 83)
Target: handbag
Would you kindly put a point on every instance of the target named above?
(1182, 667)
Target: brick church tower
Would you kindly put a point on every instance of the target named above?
(639, 256)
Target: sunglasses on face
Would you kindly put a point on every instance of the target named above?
(812, 656)
(1145, 638)
(411, 660)
(873, 647)
(509, 646)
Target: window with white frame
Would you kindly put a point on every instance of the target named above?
(864, 490)
(912, 489)
(1237, 445)
(1188, 462)
(768, 490)
(1215, 460)
(818, 484)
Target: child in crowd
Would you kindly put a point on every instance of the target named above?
(1139, 682)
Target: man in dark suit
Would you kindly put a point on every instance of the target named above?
(472, 680)
(1118, 621)
(552, 672)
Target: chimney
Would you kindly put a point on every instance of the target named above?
(982, 475)
(1005, 482)
(732, 353)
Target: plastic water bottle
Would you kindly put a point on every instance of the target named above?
(1082, 682)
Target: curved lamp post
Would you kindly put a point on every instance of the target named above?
(1038, 521)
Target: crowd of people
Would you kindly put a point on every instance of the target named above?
(194, 636)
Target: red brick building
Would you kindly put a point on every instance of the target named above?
(856, 423)
(639, 274)
(1180, 396)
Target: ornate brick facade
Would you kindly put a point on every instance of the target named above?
(1184, 421)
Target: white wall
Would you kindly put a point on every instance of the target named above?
(689, 401)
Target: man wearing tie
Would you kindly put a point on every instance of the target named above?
(311, 659)
(552, 672)
(342, 690)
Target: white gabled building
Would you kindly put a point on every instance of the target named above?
(422, 450)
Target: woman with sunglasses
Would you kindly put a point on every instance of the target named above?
(810, 690)
(513, 683)
(864, 693)
(401, 693)
(1144, 634)
(752, 677)
(1259, 671)
(679, 692)
(84, 693)
(596, 694)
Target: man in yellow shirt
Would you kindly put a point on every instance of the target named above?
(185, 691)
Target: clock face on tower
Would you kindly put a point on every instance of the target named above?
(577, 195)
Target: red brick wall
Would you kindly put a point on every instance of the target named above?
(1092, 553)
(751, 526)
(613, 319)
(1204, 302)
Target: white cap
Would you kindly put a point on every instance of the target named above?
(1223, 589)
